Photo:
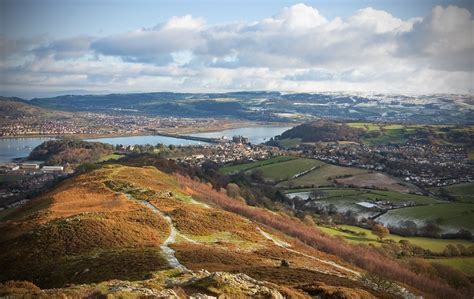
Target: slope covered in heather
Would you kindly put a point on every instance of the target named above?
(139, 230)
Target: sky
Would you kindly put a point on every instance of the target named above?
(53, 47)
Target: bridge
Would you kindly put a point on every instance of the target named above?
(194, 138)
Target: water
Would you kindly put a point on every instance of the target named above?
(11, 148)
(147, 139)
(255, 135)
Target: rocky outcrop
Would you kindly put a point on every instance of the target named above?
(202, 284)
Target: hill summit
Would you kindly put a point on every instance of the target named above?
(322, 130)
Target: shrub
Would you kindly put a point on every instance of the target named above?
(380, 231)
(361, 256)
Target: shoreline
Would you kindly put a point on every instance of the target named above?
(163, 130)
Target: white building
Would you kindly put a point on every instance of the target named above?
(52, 168)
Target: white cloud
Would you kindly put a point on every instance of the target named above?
(298, 49)
(444, 40)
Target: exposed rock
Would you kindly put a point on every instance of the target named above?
(223, 283)
(321, 290)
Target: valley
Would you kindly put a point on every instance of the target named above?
(286, 210)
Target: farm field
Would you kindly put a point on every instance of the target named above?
(375, 179)
(356, 195)
(435, 245)
(287, 169)
(461, 192)
(321, 177)
(449, 216)
(391, 135)
(247, 166)
(289, 142)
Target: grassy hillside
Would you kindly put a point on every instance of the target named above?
(321, 130)
(459, 192)
(144, 226)
(99, 226)
(14, 108)
(321, 176)
(251, 165)
(435, 245)
(465, 264)
(377, 134)
(288, 169)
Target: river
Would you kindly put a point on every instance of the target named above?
(18, 147)
(11, 148)
(255, 135)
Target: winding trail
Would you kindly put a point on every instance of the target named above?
(168, 252)
(401, 291)
(287, 247)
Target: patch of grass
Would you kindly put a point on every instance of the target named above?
(224, 237)
(247, 166)
(435, 245)
(464, 264)
(110, 157)
(462, 192)
(448, 215)
(289, 142)
(288, 169)
(321, 176)
(366, 126)
(398, 135)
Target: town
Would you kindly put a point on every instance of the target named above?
(101, 124)
(421, 164)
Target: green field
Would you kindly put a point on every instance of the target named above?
(365, 126)
(247, 166)
(464, 264)
(289, 142)
(321, 176)
(462, 192)
(435, 245)
(447, 215)
(111, 157)
(395, 135)
(359, 194)
(287, 169)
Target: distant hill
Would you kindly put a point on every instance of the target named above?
(322, 130)
(14, 108)
(156, 104)
(72, 151)
(276, 106)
